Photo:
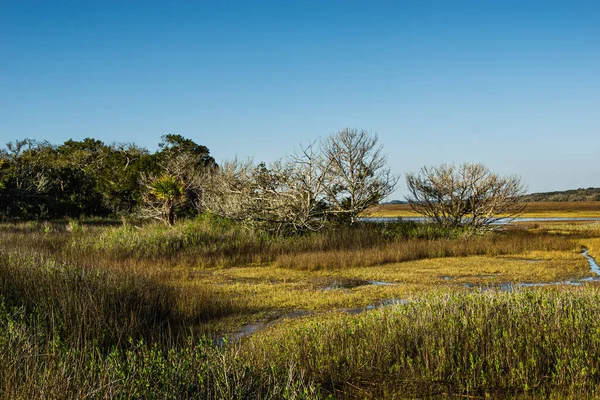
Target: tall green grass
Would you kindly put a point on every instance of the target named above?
(210, 241)
(76, 331)
(538, 342)
(87, 305)
(207, 240)
(36, 366)
(77, 321)
(541, 344)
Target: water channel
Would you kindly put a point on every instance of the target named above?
(274, 318)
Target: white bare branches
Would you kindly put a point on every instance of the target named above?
(357, 177)
(337, 178)
(468, 195)
(277, 197)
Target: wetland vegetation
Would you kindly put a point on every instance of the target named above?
(126, 274)
(92, 310)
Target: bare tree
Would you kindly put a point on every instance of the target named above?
(307, 173)
(467, 195)
(357, 177)
(228, 191)
(337, 178)
(277, 197)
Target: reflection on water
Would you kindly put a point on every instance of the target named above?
(344, 283)
(257, 326)
(593, 264)
(354, 283)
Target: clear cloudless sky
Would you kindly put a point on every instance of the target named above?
(512, 84)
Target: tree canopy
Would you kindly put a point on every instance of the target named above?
(333, 180)
(85, 178)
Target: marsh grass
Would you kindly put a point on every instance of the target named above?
(83, 306)
(32, 367)
(557, 207)
(116, 311)
(541, 209)
(485, 343)
(87, 303)
(530, 343)
(213, 242)
(401, 250)
(210, 242)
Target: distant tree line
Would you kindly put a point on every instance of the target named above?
(581, 194)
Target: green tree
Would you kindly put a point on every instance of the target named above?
(89, 177)
(190, 163)
(163, 195)
(172, 146)
(119, 179)
(31, 180)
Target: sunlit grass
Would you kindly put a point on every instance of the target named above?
(542, 343)
(312, 291)
(260, 289)
(236, 276)
(73, 294)
(402, 250)
(578, 209)
(391, 211)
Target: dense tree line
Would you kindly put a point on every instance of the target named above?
(83, 178)
(330, 181)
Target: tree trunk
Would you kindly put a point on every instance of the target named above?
(169, 213)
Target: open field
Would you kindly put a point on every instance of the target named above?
(550, 209)
(208, 309)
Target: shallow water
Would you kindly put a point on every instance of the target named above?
(257, 326)
(593, 264)
(509, 287)
(251, 329)
(381, 283)
(345, 284)
(501, 221)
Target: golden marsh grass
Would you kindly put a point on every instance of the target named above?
(550, 209)
(105, 310)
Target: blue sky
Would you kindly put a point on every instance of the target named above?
(512, 84)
